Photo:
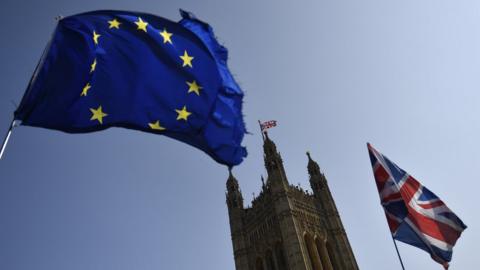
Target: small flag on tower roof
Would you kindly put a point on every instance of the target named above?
(268, 124)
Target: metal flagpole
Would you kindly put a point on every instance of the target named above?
(398, 253)
(7, 137)
(261, 131)
(34, 76)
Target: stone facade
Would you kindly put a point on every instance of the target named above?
(287, 228)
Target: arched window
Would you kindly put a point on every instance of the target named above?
(259, 264)
(323, 252)
(270, 262)
(312, 253)
(280, 256)
(331, 255)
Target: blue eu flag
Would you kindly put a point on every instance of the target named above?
(134, 70)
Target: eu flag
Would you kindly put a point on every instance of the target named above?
(134, 70)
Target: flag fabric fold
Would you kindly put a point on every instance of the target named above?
(414, 214)
(139, 71)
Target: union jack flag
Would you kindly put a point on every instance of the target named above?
(269, 124)
(415, 215)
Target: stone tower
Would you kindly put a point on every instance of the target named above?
(287, 228)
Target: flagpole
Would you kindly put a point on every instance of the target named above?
(261, 131)
(7, 137)
(398, 253)
(32, 79)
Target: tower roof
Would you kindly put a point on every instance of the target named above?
(269, 147)
(232, 183)
(313, 168)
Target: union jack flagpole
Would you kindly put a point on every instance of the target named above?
(261, 131)
(398, 253)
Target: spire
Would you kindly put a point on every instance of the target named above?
(277, 179)
(272, 158)
(317, 179)
(232, 183)
(234, 195)
(269, 146)
(313, 168)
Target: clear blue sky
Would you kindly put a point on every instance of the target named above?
(403, 75)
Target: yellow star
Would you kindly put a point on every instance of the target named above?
(187, 59)
(114, 24)
(156, 126)
(194, 87)
(95, 37)
(93, 66)
(166, 36)
(183, 113)
(85, 90)
(98, 114)
(141, 25)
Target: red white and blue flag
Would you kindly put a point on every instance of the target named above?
(415, 215)
(266, 125)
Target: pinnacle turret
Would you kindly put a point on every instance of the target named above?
(273, 163)
(317, 179)
(232, 183)
(313, 168)
(269, 147)
(234, 195)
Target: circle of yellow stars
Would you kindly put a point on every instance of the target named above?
(193, 87)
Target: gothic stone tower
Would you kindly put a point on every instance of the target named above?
(287, 228)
